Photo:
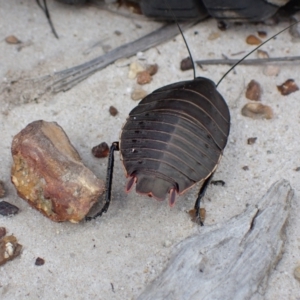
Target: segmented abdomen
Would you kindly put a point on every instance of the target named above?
(176, 134)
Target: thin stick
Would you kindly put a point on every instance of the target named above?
(66, 79)
(254, 61)
(253, 51)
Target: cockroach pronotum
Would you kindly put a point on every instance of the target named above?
(173, 139)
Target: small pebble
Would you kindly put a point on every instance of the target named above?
(39, 261)
(143, 77)
(186, 64)
(251, 141)
(152, 69)
(297, 273)
(222, 25)
(113, 111)
(262, 34)
(271, 70)
(117, 32)
(218, 182)
(134, 69)
(254, 90)
(253, 40)
(138, 94)
(12, 40)
(2, 190)
(297, 169)
(9, 248)
(245, 168)
(262, 54)
(288, 87)
(257, 111)
(101, 150)
(7, 209)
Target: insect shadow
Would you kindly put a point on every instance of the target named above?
(173, 139)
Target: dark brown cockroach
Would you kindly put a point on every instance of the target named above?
(173, 139)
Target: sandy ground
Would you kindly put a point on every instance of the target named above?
(116, 256)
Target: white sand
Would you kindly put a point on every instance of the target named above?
(131, 244)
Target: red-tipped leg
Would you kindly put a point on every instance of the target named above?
(130, 184)
(172, 197)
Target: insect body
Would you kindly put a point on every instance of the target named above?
(174, 138)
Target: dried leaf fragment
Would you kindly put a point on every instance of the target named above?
(253, 40)
(11, 39)
(288, 87)
(9, 248)
(254, 90)
(257, 111)
(48, 173)
(101, 150)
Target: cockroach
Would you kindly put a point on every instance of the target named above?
(173, 139)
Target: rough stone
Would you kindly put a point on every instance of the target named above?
(48, 173)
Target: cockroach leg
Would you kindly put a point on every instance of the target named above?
(200, 196)
(172, 197)
(110, 167)
(130, 183)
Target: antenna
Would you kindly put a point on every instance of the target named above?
(46, 11)
(253, 51)
(181, 32)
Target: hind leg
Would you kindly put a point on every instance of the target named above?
(109, 176)
(200, 196)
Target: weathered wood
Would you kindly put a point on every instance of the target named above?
(229, 261)
(254, 61)
(66, 79)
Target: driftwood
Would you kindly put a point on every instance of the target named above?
(66, 79)
(232, 261)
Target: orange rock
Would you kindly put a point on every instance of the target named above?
(48, 173)
(253, 40)
(253, 91)
(143, 77)
(257, 111)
